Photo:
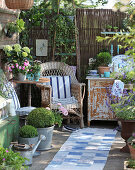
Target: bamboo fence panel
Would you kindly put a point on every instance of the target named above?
(90, 23)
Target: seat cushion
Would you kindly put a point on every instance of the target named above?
(11, 93)
(68, 103)
(24, 110)
(61, 86)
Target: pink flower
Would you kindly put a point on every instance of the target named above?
(3, 159)
(27, 70)
(20, 67)
(59, 104)
(31, 70)
(16, 65)
(13, 66)
(7, 151)
(23, 68)
(9, 69)
(48, 108)
(63, 111)
(25, 64)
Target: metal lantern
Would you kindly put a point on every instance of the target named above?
(19, 4)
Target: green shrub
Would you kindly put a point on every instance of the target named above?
(104, 58)
(41, 118)
(28, 131)
(131, 163)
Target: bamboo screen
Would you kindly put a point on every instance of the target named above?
(90, 23)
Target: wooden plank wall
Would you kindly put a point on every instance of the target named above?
(90, 23)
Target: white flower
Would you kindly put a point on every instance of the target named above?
(123, 8)
(125, 2)
(114, 8)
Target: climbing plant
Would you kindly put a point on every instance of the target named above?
(62, 24)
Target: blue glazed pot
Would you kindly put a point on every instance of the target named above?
(37, 76)
(106, 74)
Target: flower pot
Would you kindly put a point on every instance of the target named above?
(28, 141)
(36, 76)
(19, 4)
(47, 132)
(21, 77)
(103, 69)
(126, 166)
(128, 86)
(128, 127)
(132, 152)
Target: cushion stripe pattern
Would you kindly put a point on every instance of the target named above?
(61, 86)
(13, 95)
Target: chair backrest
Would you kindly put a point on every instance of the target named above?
(58, 69)
(8, 90)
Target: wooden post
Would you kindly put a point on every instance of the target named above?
(77, 45)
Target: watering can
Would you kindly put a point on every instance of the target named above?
(27, 151)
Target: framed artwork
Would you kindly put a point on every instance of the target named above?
(41, 47)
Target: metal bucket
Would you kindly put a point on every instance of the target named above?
(47, 132)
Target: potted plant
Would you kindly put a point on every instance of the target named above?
(103, 59)
(18, 59)
(11, 160)
(36, 69)
(115, 29)
(129, 165)
(42, 119)
(28, 135)
(109, 27)
(125, 112)
(13, 27)
(131, 145)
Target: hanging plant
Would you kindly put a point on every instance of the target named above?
(19, 4)
(14, 27)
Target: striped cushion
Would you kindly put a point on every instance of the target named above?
(61, 86)
(12, 94)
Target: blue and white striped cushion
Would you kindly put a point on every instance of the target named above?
(61, 86)
(12, 94)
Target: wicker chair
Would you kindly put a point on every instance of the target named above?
(77, 89)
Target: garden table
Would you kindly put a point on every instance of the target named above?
(29, 82)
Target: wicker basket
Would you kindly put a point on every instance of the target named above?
(19, 4)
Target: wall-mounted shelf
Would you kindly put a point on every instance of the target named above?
(114, 32)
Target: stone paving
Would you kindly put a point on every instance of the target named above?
(115, 159)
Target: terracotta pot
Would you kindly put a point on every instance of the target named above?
(128, 127)
(132, 152)
(128, 86)
(103, 69)
(19, 4)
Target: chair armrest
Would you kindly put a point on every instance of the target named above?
(78, 91)
(46, 92)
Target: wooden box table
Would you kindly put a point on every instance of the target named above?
(98, 99)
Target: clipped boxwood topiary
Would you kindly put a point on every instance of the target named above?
(41, 118)
(28, 131)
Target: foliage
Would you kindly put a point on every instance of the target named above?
(131, 163)
(125, 108)
(28, 131)
(59, 114)
(2, 82)
(36, 66)
(41, 118)
(115, 28)
(131, 140)
(108, 27)
(17, 58)
(104, 58)
(11, 160)
(126, 77)
(17, 26)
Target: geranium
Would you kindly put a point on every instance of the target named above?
(59, 114)
(18, 58)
